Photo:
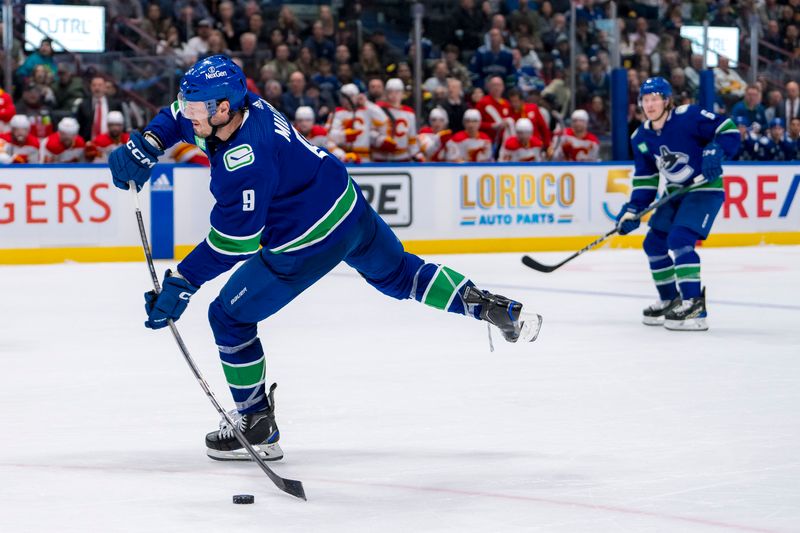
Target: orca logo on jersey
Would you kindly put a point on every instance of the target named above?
(238, 157)
(668, 164)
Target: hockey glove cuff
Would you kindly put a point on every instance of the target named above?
(627, 220)
(712, 163)
(170, 303)
(133, 160)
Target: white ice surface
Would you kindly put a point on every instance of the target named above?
(397, 418)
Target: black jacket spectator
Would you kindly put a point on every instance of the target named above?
(468, 23)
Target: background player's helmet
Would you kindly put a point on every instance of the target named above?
(777, 122)
(210, 81)
(656, 85)
(523, 125)
(304, 113)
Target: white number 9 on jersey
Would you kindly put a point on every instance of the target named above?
(248, 200)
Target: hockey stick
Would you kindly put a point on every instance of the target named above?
(290, 486)
(530, 262)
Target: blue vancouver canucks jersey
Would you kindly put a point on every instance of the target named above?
(676, 151)
(272, 188)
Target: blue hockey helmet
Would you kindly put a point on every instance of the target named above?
(777, 121)
(208, 82)
(655, 85)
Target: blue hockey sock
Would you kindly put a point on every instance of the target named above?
(687, 270)
(661, 265)
(245, 371)
(443, 288)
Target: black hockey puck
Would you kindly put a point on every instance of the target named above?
(243, 498)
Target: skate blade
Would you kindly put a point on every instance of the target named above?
(653, 320)
(531, 325)
(268, 452)
(691, 324)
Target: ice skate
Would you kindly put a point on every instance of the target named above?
(690, 315)
(259, 428)
(507, 315)
(653, 315)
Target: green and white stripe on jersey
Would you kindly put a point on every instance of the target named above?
(645, 182)
(233, 245)
(326, 224)
(727, 127)
(443, 288)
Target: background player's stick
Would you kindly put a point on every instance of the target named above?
(529, 261)
(290, 486)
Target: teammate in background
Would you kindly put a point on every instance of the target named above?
(748, 147)
(7, 111)
(524, 146)
(496, 119)
(97, 149)
(470, 144)
(433, 139)
(65, 145)
(304, 122)
(576, 143)
(292, 213)
(352, 127)
(686, 145)
(21, 144)
(775, 146)
(397, 136)
(522, 109)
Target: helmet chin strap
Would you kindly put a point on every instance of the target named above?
(214, 128)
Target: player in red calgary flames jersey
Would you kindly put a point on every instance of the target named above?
(397, 136)
(97, 149)
(352, 128)
(304, 122)
(471, 144)
(21, 145)
(576, 143)
(433, 139)
(65, 145)
(524, 146)
(496, 119)
(521, 109)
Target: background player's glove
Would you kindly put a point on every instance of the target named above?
(171, 302)
(626, 220)
(388, 145)
(133, 160)
(712, 162)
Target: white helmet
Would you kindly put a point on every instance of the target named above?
(350, 90)
(580, 114)
(115, 117)
(304, 113)
(524, 125)
(20, 121)
(438, 112)
(68, 125)
(395, 84)
(472, 114)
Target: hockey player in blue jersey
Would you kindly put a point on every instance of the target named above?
(775, 146)
(686, 145)
(291, 212)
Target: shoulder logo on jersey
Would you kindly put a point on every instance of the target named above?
(642, 147)
(238, 157)
(670, 163)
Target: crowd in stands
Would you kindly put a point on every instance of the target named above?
(495, 85)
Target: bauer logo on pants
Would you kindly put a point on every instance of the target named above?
(389, 193)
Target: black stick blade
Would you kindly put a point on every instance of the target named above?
(295, 488)
(530, 262)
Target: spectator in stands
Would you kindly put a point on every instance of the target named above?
(273, 93)
(294, 96)
(32, 106)
(599, 121)
(275, 39)
(499, 23)
(387, 53)
(249, 54)
(93, 112)
(494, 60)
(455, 68)
(282, 65)
(375, 90)
(527, 77)
(576, 143)
(774, 104)
(171, 45)
(469, 145)
(155, 25)
(791, 39)
(305, 62)
(679, 83)
(290, 26)
(65, 145)
(455, 106)
(727, 81)
(342, 54)
(344, 75)
(325, 80)
(791, 106)
(256, 26)
(226, 23)
(772, 42)
(195, 9)
(43, 56)
(558, 28)
(43, 79)
(692, 72)
(649, 39)
(216, 45)
(328, 24)
(596, 81)
(21, 145)
(438, 77)
(197, 46)
(751, 107)
(368, 66)
(320, 105)
(524, 14)
(321, 45)
(468, 23)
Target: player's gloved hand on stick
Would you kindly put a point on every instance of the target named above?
(133, 160)
(712, 163)
(626, 220)
(171, 302)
